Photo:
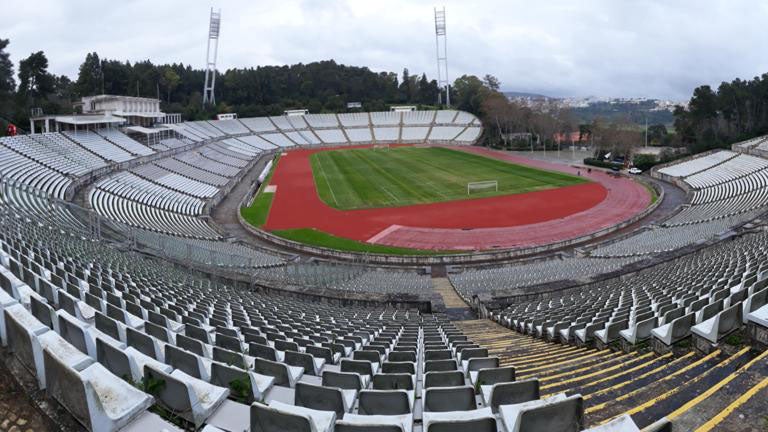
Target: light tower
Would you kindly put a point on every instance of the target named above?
(210, 58)
(441, 47)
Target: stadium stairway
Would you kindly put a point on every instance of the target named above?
(696, 393)
(456, 308)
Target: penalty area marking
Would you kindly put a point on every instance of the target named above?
(383, 233)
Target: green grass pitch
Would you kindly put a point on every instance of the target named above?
(370, 178)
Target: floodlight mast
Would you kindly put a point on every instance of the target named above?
(441, 48)
(214, 26)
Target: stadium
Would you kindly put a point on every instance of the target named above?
(373, 270)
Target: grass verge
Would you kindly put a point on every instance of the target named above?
(313, 237)
(256, 214)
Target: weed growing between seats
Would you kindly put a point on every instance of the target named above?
(241, 389)
(734, 339)
(153, 386)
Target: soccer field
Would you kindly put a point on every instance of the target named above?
(366, 178)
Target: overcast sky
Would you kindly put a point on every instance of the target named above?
(621, 48)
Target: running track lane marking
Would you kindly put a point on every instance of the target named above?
(383, 233)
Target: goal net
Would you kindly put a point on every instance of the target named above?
(482, 185)
(382, 146)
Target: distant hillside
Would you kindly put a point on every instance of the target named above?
(515, 94)
(635, 111)
(587, 109)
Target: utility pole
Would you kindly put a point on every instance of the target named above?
(646, 131)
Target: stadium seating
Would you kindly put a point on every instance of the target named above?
(98, 145)
(698, 164)
(127, 144)
(90, 318)
(101, 357)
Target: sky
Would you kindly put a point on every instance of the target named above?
(606, 48)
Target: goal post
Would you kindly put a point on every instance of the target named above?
(482, 185)
(381, 146)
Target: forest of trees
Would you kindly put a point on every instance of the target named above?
(714, 118)
(323, 86)
(736, 111)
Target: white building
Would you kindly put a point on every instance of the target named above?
(135, 110)
(105, 111)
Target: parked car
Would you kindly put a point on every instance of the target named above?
(635, 170)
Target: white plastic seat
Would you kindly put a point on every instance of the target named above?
(478, 420)
(5, 301)
(620, 424)
(640, 331)
(94, 396)
(556, 413)
(719, 325)
(759, 317)
(359, 423)
(194, 399)
(678, 329)
(281, 417)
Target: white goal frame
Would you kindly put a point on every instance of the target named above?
(482, 185)
(381, 146)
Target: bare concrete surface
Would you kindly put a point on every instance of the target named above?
(24, 407)
(17, 412)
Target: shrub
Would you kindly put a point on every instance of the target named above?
(600, 163)
(644, 161)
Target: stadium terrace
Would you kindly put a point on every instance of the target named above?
(364, 271)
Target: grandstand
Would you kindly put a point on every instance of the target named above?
(141, 288)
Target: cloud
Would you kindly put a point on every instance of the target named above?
(651, 48)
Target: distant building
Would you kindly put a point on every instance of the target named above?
(296, 112)
(136, 111)
(104, 111)
(402, 108)
(571, 137)
(519, 136)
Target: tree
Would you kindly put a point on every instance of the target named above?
(407, 87)
(644, 161)
(736, 111)
(469, 94)
(90, 76)
(657, 134)
(427, 91)
(35, 83)
(491, 82)
(7, 83)
(169, 80)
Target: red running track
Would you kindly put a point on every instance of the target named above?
(511, 221)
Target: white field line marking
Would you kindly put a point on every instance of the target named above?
(325, 177)
(394, 197)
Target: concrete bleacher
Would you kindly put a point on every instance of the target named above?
(699, 164)
(123, 141)
(100, 146)
(88, 320)
(94, 324)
